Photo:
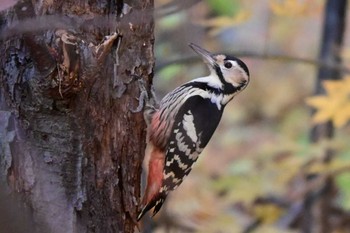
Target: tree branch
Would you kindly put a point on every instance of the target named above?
(280, 57)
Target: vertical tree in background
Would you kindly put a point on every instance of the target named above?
(318, 203)
(330, 52)
(71, 143)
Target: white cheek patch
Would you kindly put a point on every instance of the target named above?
(236, 76)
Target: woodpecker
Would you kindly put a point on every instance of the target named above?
(185, 120)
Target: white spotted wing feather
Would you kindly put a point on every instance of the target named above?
(194, 125)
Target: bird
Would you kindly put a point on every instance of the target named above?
(184, 122)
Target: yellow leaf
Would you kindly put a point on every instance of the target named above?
(333, 86)
(342, 116)
(317, 101)
(268, 213)
(335, 105)
(219, 23)
(288, 7)
(322, 116)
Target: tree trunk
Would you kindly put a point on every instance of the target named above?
(316, 213)
(71, 143)
(330, 52)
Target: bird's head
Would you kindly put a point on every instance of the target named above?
(231, 71)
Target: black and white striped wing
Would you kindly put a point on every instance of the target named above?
(194, 125)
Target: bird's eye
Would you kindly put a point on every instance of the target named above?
(228, 65)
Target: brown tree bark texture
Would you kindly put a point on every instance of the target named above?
(75, 159)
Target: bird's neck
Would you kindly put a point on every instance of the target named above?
(211, 80)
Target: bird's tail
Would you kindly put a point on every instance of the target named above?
(156, 202)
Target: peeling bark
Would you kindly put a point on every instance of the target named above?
(70, 144)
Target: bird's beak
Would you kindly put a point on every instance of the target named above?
(207, 56)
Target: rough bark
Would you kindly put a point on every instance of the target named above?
(71, 145)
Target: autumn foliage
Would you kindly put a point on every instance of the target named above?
(334, 105)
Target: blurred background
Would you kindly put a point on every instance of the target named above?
(280, 159)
